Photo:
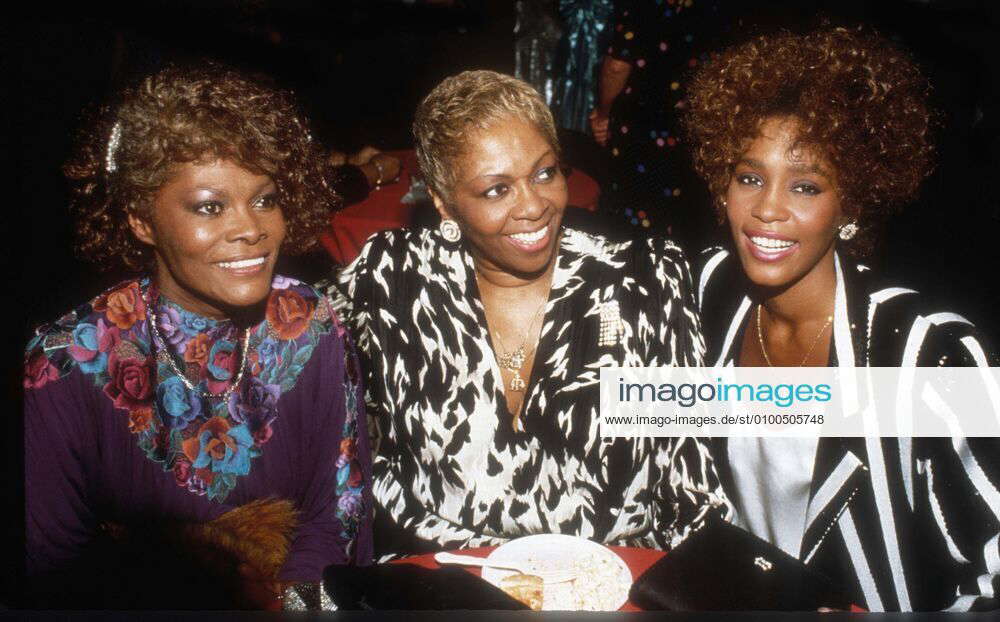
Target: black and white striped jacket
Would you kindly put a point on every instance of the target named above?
(906, 524)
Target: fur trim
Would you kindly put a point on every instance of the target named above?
(258, 533)
(167, 565)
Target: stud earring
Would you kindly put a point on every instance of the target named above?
(848, 230)
(450, 231)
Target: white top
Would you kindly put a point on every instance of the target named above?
(772, 478)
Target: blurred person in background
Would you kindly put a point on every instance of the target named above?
(651, 188)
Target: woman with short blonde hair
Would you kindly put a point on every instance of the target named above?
(484, 340)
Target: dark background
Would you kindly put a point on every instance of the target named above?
(361, 67)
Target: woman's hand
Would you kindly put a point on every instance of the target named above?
(364, 156)
(382, 169)
(336, 158)
(389, 167)
(599, 126)
(379, 168)
(614, 75)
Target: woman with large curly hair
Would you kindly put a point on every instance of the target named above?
(206, 414)
(809, 142)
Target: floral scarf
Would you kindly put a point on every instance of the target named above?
(208, 443)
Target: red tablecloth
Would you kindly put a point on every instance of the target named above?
(383, 209)
(637, 560)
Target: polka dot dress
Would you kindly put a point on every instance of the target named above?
(652, 187)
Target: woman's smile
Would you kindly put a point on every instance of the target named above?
(509, 198)
(531, 241)
(783, 207)
(769, 246)
(244, 266)
(216, 229)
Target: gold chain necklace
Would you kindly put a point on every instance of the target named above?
(763, 350)
(514, 360)
(161, 345)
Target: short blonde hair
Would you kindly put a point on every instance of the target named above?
(472, 100)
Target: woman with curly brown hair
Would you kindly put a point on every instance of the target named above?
(808, 144)
(205, 415)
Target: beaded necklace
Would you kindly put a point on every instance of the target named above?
(160, 344)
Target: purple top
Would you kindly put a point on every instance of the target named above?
(112, 434)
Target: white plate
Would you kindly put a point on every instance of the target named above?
(603, 584)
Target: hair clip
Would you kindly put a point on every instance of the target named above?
(116, 137)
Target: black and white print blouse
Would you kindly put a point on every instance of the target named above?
(450, 471)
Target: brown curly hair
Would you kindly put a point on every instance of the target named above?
(859, 100)
(191, 114)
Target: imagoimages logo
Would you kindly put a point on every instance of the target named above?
(689, 394)
(800, 401)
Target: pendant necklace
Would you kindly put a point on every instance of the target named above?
(514, 360)
(763, 350)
